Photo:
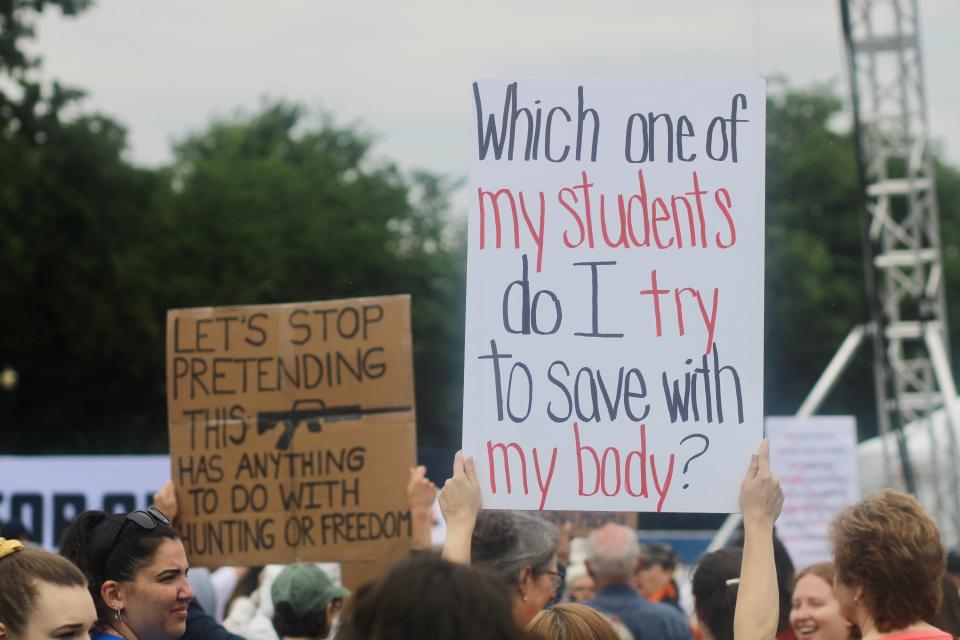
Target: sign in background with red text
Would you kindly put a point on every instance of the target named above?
(815, 458)
(614, 331)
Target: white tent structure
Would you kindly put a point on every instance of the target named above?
(932, 469)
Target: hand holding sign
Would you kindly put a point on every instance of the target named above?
(166, 500)
(614, 324)
(758, 608)
(421, 494)
(460, 502)
(761, 497)
(290, 426)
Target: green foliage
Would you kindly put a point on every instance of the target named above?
(27, 110)
(948, 199)
(74, 325)
(815, 291)
(272, 209)
(280, 206)
(259, 209)
(814, 277)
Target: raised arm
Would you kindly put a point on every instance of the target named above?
(460, 503)
(166, 500)
(420, 495)
(758, 606)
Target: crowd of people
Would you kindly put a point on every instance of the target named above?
(498, 575)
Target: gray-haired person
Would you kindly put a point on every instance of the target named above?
(613, 557)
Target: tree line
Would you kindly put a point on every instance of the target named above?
(284, 205)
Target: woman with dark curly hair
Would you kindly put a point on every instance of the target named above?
(889, 563)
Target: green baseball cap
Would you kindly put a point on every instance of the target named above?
(305, 587)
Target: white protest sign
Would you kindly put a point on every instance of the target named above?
(614, 320)
(816, 461)
(46, 493)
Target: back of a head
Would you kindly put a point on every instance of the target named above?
(505, 542)
(612, 553)
(888, 544)
(715, 582)
(427, 597)
(571, 622)
(301, 594)
(21, 569)
(108, 547)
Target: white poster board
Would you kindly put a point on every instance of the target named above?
(816, 461)
(47, 492)
(614, 320)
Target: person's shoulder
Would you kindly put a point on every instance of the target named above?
(596, 602)
(931, 634)
(609, 602)
(675, 625)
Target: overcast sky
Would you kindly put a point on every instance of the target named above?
(402, 69)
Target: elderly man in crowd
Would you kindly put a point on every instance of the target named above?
(613, 557)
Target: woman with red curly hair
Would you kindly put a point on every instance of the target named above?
(889, 562)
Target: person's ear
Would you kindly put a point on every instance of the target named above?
(111, 594)
(3, 631)
(524, 580)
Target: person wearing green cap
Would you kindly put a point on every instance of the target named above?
(305, 602)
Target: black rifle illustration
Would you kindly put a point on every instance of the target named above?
(312, 413)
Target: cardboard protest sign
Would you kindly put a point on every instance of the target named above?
(583, 522)
(815, 459)
(614, 322)
(292, 430)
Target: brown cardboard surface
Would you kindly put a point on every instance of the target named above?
(357, 573)
(586, 521)
(292, 429)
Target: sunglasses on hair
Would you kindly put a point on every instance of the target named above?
(146, 520)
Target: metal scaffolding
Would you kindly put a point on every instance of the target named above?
(904, 269)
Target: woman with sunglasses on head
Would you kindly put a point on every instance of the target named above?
(136, 568)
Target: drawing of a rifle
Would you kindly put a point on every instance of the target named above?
(312, 413)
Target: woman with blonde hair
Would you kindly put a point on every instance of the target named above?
(572, 622)
(42, 596)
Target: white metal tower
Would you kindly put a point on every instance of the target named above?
(904, 269)
(901, 247)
